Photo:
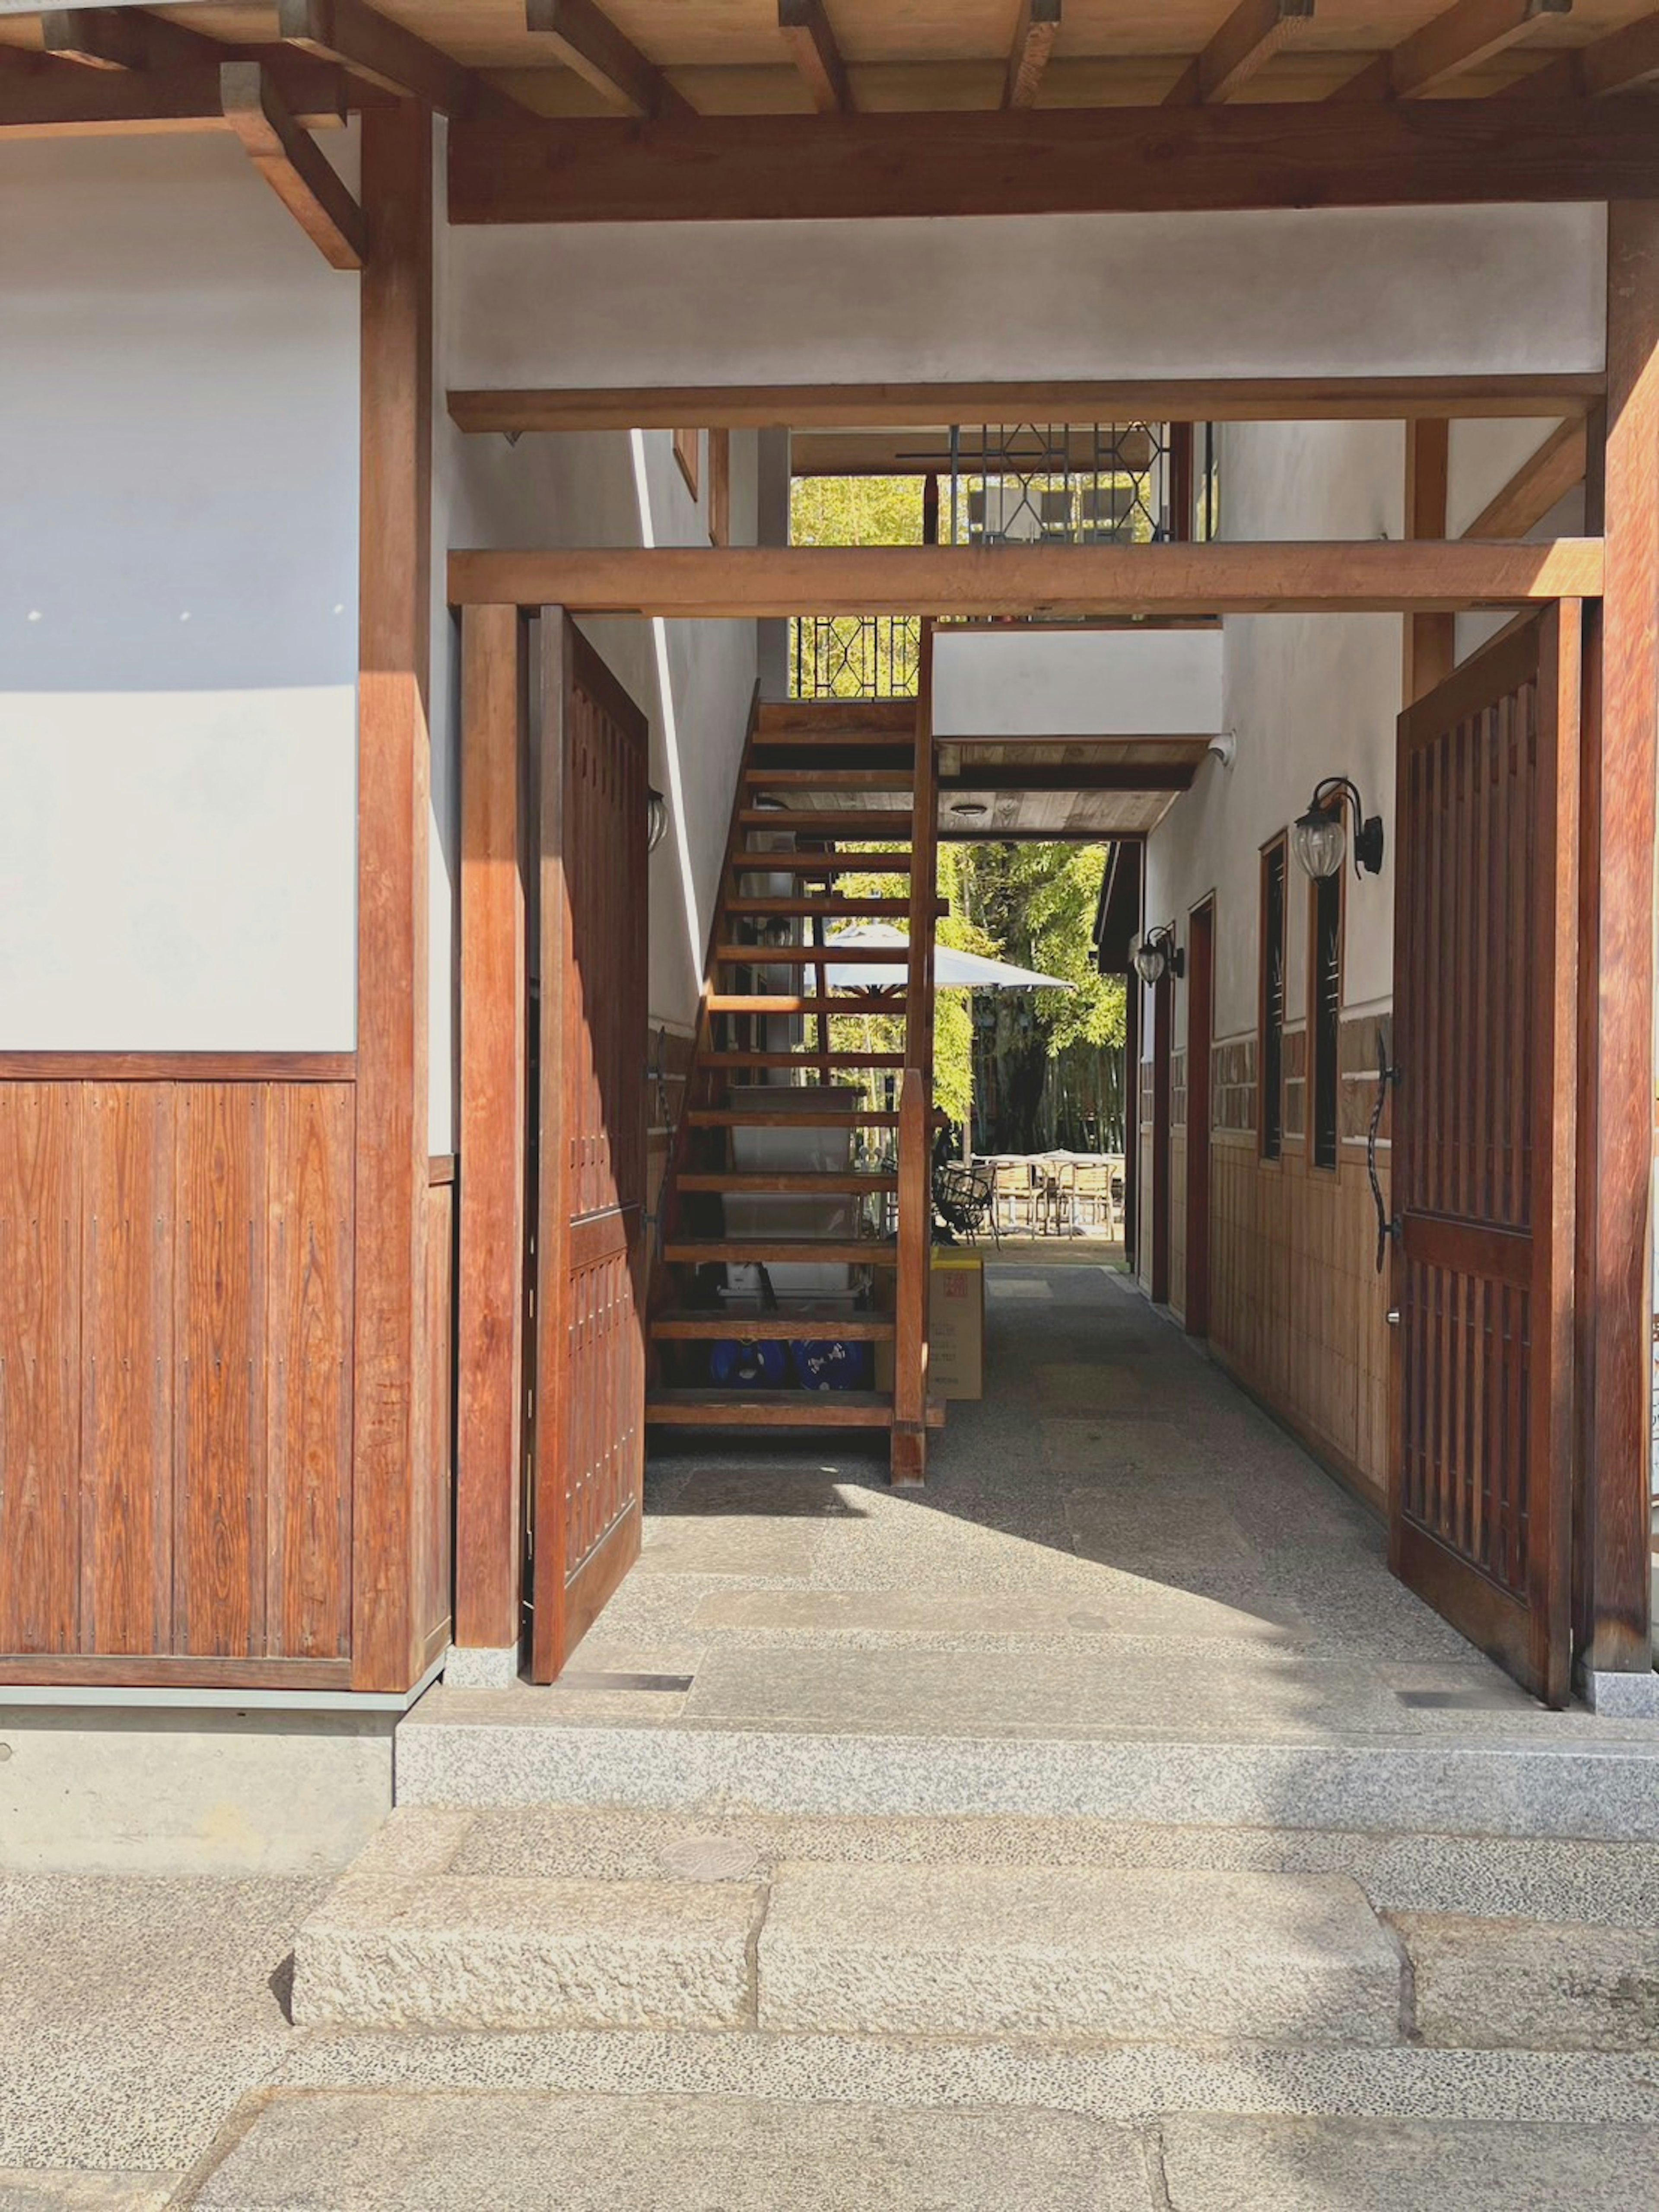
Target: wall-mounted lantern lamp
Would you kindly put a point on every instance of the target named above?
(656, 819)
(1319, 837)
(1158, 955)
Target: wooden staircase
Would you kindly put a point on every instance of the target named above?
(828, 790)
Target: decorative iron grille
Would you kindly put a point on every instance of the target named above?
(856, 656)
(1068, 484)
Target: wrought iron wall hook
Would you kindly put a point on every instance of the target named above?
(1387, 1073)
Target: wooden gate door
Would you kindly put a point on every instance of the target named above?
(1486, 967)
(589, 1436)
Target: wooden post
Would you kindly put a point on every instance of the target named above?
(1616, 1019)
(490, 1387)
(1431, 639)
(1163, 1029)
(390, 1537)
(1182, 502)
(915, 1217)
(915, 1129)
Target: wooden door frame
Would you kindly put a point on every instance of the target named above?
(1201, 1038)
(1158, 1193)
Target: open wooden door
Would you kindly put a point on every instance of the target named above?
(1486, 906)
(589, 1436)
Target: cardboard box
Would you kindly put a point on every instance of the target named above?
(955, 1329)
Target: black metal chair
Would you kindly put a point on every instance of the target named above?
(964, 1198)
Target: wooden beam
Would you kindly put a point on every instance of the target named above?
(1073, 775)
(489, 1335)
(1469, 33)
(1430, 639)
(807, 33)
(1625, 60)
(57, 100)
(1616, 1027)
(737, 582)
(1542, 478)
(587, 41)
(845, 407)
(392, 1536)
(1255, 32)
(1035, 32)
(901, 452)
(293, 165)
(383, 53)
(125, 38)
(1123, 161)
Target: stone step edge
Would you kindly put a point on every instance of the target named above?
(1591, 1792)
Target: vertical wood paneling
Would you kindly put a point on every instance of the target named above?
(437, 1590)
(40, 1170)
(220, 1293)
(308, 1263)
(127, 1404)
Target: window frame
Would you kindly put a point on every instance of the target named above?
(1270, 1037)
(1325, 1021)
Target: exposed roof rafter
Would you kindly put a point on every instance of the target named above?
(1469, 33)
(125, 39)
(1035, 32)
(56, 100)
(1255, 32)
(384, 53)
(1625, 60)
(811, 39)
(586, 41)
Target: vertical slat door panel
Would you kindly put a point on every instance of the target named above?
(1486, 959)
(589, 1451)
(41, 1266)
(127, 1373)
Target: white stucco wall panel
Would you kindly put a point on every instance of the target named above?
(1306, 695)
(693, 680)
(1373, 292)
(1077, 683)
(178, 606)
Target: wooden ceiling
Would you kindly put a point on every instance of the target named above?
(787, 57)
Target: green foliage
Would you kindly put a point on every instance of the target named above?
(855, 511)
(1039, 901)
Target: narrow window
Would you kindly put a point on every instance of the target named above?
(1325, 955)
(720, 487)
(1272, 1000)
(687, 451)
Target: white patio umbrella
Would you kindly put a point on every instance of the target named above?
(952, 970)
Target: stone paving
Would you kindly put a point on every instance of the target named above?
(1120, 1569)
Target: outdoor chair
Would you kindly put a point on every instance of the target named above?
(1013, 1191)
(964, 1198)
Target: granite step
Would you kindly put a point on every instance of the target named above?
(525, 1746)
(1065, 1932)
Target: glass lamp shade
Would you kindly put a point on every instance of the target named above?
(1319, 841)
(656, 820)
(1149, 960)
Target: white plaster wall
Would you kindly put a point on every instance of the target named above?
(178, 606)
(693, 680)
(1077, 683)
(1306, 695)
(1392, 291)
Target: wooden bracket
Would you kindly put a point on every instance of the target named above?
(293, 165)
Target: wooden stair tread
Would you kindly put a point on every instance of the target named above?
(746, 1251)
(832, 779)
(828, 1182)
(829, 822)
(780, 1409)
(747, 1117)
(887, 717)
(831, 908)
(802, 1059)
(808, 955)
(799, 1323)
(821, 863)
(763, 1002)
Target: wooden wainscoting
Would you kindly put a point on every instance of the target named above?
(176, 1378)
(1298, 1313)
(1178, 1220)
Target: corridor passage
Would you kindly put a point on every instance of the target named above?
(1115, 1542)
